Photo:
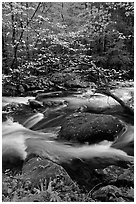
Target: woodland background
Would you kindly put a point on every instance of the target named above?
(49, 46)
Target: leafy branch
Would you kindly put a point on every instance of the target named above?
(21, 35)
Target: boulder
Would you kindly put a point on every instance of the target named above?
(40, 172)
(111, 193)
(91, 128)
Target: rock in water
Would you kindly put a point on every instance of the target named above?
(35, 104)
(91, 128)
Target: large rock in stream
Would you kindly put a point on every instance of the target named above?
(91, 128)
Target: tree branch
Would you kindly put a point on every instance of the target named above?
(127, 108)
(103, 87)
(21, 35)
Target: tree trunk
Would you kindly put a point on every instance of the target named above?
(127, 108)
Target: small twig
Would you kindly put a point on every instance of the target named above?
(90, 192)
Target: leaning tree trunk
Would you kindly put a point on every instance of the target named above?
(126, 107)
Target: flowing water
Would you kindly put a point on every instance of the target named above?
(19, 140)
(20, 143)
(8, 100)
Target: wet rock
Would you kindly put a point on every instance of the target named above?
(107, 193)
(111, 193)
(52, 103)
(56, 94)
(34, 104)
(118, 176)
(18, 111)
(4, 116)
(91, 128)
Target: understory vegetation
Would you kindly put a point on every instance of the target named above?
(105, 188)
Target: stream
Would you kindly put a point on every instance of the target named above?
(66, 105)
(32, 133)
(57, 107)
(52, 116)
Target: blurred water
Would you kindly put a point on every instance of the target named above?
(8, 100)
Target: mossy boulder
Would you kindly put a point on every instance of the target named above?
(91, 128)
(40, 172)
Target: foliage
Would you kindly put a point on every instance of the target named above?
(15, 188)
(116, 189)
(44, 39)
